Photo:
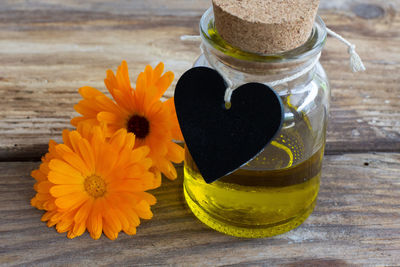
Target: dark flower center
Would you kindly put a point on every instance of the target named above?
(139, 126)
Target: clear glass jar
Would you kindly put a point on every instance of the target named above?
(277, 190)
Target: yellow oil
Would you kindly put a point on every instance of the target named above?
(271, 195)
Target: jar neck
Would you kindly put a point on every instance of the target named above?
(241, 66)
(279, 75)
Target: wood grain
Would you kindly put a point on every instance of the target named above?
(356, 221)
(48, 49)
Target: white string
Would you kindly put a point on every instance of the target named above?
(297, 74)
(192, 38)
(230, 89)
(229, 85)
(356, 63)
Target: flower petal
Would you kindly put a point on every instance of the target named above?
(176, 153)
(108, 117)
(83, 212)
(44, 187)
(62, 190)
(68, 201)
(64, 168)
(95, 220)
(89, 92)
(164, 82)
(57, 177)
(143, 210)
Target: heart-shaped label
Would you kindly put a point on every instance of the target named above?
(221, 140)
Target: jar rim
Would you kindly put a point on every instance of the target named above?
(310, 48)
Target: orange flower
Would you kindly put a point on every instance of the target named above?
(139, 111)
(95, 183)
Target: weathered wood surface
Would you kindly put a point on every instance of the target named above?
(49, 49)
(356, 221)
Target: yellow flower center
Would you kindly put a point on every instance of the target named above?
(95, 186)
(139, 125)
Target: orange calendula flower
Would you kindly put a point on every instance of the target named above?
(95, 183)
(139, 111)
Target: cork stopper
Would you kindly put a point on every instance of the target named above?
(265, 26)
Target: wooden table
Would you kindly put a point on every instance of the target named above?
(51, 48)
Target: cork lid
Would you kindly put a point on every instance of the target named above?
(265, 26)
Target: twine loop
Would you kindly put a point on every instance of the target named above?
(356, 64)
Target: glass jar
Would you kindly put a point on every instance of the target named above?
(277, 190)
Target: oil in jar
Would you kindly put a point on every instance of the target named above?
(272, 194)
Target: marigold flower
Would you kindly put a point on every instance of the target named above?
(95, 183)
(139, 111)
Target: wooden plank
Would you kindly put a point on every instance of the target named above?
(49, 49)
(160, 7)
(356, 221)
(365, 107)
(107, 8)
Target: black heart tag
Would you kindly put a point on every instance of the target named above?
(222, 140)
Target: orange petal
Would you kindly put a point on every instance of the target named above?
(44, 187)
(130, 231)
(167, 168)
(149, 198)
(111, 217)
(109, 232)
(95, 220)
(164, 82)
(83, 213)
(117, 140)
(109, 117)
(43, 196)
(158, 70)
(67, 201)
(148, 71)
(123, 76)
(174, 124)
(48, 215)
(64, 168)
(139, 153)
(87, 154)
(62, 178)
(133, 219)
(79, 229)
(62, 190)
(38, 175)
(87, 108)
(146, 163)
(140, 92)
(143, 210)
(131, 185)
(124, 98)
(157, 177)
(76, 162)
(176, 153)
(89, 92)
(133, 171)
(107, 104)
(86, 129)
(75, 121)
(110, 81)
(115, 203)
(106, 160)
(64, 226)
